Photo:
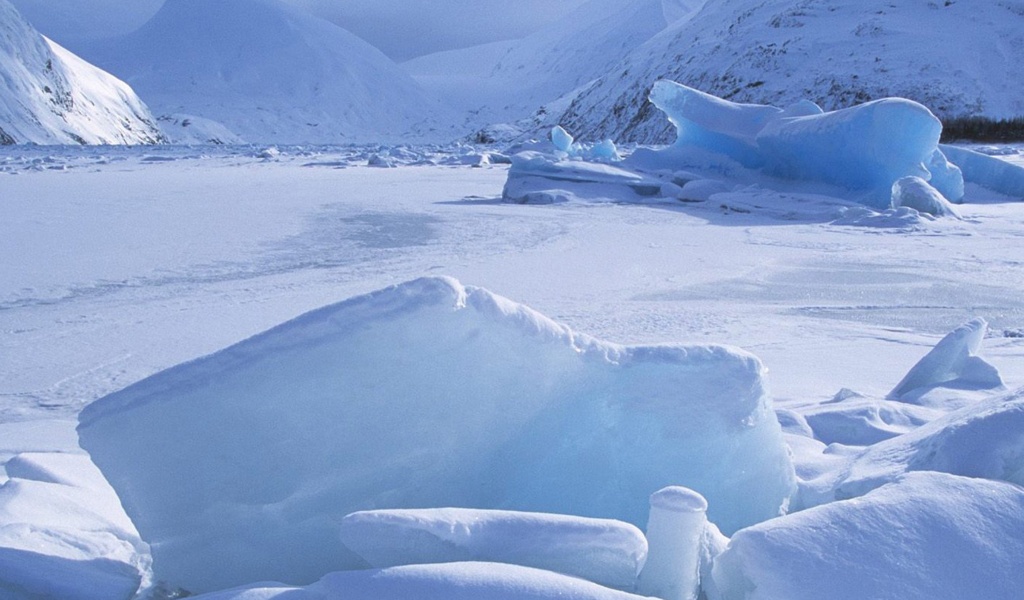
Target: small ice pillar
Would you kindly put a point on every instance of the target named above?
(674, 530)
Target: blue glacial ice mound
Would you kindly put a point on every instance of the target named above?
(927, 536)
(604, 551)
(864, 149)
(425, 394)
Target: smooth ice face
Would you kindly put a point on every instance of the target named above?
(864, 148)
(604, 551)
(988, 171)
(675, 532)
(423, 394)
(928, 536)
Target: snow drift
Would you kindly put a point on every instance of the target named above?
(50, 96)
(270, 73)
(928, 536)
(834, 53)
(424, 394)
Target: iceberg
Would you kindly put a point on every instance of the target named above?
(604, 551)
(423, 394)
(927, 536)
(987, 171)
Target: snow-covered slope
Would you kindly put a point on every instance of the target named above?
(50, 96)
(270, 73)
(956, 57)
(508, 80)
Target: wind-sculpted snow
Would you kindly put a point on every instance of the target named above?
(449, 581)
(424, 394)
(604, 551)
(928, 536)
(50, 96)
(985, 439)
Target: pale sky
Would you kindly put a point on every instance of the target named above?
(402, 29)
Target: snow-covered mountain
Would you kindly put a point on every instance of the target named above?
(50, 96)
(271, 73)
(508, 80)
(957, 57)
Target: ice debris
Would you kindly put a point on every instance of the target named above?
(675, 531)
(423, 394)
(916, 193)
(953, 362)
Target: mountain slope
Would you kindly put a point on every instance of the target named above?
(509, 80)
(270, 73)
(957, 57)
(50, 96)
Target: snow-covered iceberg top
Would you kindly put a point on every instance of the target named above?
(424, 394)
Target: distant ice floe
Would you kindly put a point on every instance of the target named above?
(425, 394)
(879, 164)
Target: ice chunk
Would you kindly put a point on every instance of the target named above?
(929, 536)
(423, 394)
(534, 175)
(987, 171)
(862, 421)
(561, 139)
(675, 531)
(953, 362)
(914, 192)
(704, 121)
(865, 147)
(980, 440)
(604, 551)
(63, 533)
(450, 581)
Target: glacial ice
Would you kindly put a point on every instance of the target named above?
(424, 394)
(604, 551)
(988, 171)
(927, 536)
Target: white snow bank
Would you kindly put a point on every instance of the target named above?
(423, 394)
(916, 193)
(448, 581)
(604, 551)
(953, 362)
(861, 421)
(988, 171)
(63, 533)
(929, 536)
(985, 439)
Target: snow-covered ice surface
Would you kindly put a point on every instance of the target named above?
(120, 263)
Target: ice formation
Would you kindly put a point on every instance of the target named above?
(865, 148)
(675, 531)
(988, 171)
(928, 536)
(953, 362)
(604, 551)
(449, 581)
(985, 439)
(423, 394)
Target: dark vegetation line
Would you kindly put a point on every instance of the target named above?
(982, 129)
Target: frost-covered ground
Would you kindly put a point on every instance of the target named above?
(119, 263)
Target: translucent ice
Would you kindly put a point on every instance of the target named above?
(953, 362)
(914, 192)
(675, 531)
(423, 394)
(988, 171)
